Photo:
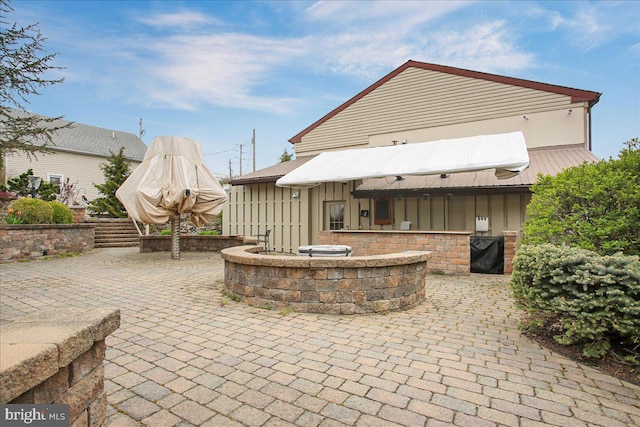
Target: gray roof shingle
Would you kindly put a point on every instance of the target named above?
(85, 139)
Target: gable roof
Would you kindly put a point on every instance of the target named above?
(85, 139)
(577, 95)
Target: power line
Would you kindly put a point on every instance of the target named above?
(219, 152)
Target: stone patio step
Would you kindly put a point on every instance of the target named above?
(112, 232)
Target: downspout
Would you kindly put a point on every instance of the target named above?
(590, 105)
(589, 125)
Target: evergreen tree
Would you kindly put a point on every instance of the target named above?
(22, 68)
(285, 157)
(20, 186)
(116, 171)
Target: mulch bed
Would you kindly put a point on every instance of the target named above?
(611, 364)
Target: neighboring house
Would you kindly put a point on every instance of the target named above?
(78, 153)
(419, 102)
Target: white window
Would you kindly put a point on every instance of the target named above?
(335, 215)
(56, 179)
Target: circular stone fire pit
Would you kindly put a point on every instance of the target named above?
(336, 285)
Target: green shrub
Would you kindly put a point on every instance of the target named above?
(20, 186)
(30, 211)
(595, 299)
(62, 214)
(593, 206)
(165, 232)
(208, 233)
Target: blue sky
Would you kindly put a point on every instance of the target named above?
(215, 70)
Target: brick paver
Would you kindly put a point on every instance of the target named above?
(187, 355)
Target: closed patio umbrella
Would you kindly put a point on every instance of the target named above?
(172, 180)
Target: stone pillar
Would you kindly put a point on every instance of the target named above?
(510, 246)
(79, 213)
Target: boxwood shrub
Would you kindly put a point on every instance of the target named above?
(31, 211)
(595, 299)
(62, 214)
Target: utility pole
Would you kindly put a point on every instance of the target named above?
(253, 148)
(240, 159)
(142, 131)
(230, 172)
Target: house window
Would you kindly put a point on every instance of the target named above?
(335, 211)
(382, 211)
(55, 179)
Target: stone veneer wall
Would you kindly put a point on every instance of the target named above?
(451, 250)
(333, 285)
(57, 357)
(21, 241)
(191, 243)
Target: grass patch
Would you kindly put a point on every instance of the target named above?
(286, 310)
(231, 296)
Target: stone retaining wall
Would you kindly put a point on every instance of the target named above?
(56, 357)
(21, 241)
(190, 243)
(333, 285)
(451, 250)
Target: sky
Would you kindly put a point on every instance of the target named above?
(214, 71)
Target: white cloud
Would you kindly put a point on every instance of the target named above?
(220, 69)
(585, 27)
(634, 50)
(401, 15)
(178, 20)
(487, 46)
(196, 66)
(590, 25)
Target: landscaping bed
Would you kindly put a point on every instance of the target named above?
(610, 364)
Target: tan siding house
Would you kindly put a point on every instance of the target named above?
(419, 102)
(78, 152)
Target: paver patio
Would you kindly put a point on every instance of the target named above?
(187, 355)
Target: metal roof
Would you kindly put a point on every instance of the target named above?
(544, 160)
(272, 173)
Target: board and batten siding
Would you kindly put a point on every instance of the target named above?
(425, 100)
(79, 168)
(252, 209)
(455, 213)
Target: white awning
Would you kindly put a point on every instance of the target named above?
(506, 153)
